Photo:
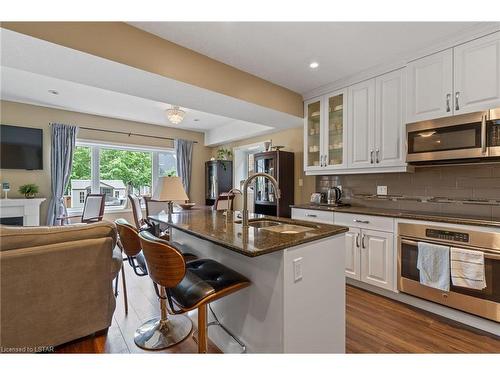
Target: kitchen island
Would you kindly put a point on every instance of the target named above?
(296, 302)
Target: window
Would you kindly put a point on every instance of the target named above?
(167, 164)
(116, 171)
(80, 179)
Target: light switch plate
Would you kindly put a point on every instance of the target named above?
(301, 182)
(381, 190)
(297, 269)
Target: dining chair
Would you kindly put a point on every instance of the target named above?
(93, 210)
(224, 202)
(140, 221)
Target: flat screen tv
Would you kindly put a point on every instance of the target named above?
(21, 148)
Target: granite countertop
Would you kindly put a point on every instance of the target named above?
(214, 227)
(401, 214)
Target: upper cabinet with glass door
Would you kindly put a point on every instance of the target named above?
(335, 150)
(324, 132)
(313, 129)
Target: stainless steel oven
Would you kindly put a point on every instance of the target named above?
(485, 302)
(462, 138)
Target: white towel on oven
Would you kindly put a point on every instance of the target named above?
(433, 262)
(467, 268)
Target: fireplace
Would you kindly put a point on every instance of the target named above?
(17, 220)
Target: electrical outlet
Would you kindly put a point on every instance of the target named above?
(297, 269)
(381, 190)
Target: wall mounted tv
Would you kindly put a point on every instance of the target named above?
(21, 148)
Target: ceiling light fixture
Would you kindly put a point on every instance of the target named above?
(175, 115)
(314, 65)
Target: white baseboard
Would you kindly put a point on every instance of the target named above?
(456, 315)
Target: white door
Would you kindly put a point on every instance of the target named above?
(390, 120)
(352, 253)
(361, 118)
(477, 75)
(377, 258)
(430, 86)
(313, 138)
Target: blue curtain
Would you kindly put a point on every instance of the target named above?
(184, 151)
(61, 158)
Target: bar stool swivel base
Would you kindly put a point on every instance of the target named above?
(157, 334)
(164, 332)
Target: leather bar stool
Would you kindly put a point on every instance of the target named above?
(186, 286)
(130, 244)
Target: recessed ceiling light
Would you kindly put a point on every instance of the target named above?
(313, 65)
(54, 92)
(196, 119)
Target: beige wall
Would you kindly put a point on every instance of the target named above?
(40, 117)
(120, 42)
(293, 140)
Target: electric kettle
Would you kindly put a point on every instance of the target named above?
(334, 195)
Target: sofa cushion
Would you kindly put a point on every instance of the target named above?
(24, 237)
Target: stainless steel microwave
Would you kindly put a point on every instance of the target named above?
(463, 138)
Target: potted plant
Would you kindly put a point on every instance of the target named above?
(224, 154)
(29, 190)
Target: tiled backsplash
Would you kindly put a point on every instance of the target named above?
(464, 182)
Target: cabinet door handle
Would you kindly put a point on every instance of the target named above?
(457, 94)
(357, 241)
(377, 160)
(361, 221)
(448, 97)
(371, 157)
(363, 242)
(311, 215)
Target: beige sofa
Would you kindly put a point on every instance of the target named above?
(56, 283)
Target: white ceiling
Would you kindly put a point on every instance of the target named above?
(280, 52)
(21, 86)
(90, 84)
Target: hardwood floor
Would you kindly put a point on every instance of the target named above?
(375, 324)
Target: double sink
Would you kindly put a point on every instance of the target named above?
(277, 226)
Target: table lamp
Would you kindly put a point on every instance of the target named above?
(170, 189)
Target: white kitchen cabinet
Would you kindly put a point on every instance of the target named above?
(324, 132)
(335, 150)
(317, 216)
(376, 122)
(361, 124)
(377, 258)
(477, 75)
(390, 145)
(313, 134)
(369, 244)
(352, 253)
(462, 79)
(430, 87)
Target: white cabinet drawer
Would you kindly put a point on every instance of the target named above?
(385, 224)
(313, 215)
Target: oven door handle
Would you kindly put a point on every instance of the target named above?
(486, 254)
(483, 134)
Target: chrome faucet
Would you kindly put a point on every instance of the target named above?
(244, 213)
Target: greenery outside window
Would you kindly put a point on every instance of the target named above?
(116, 171)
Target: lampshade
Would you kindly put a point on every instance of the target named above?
(170, 189)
